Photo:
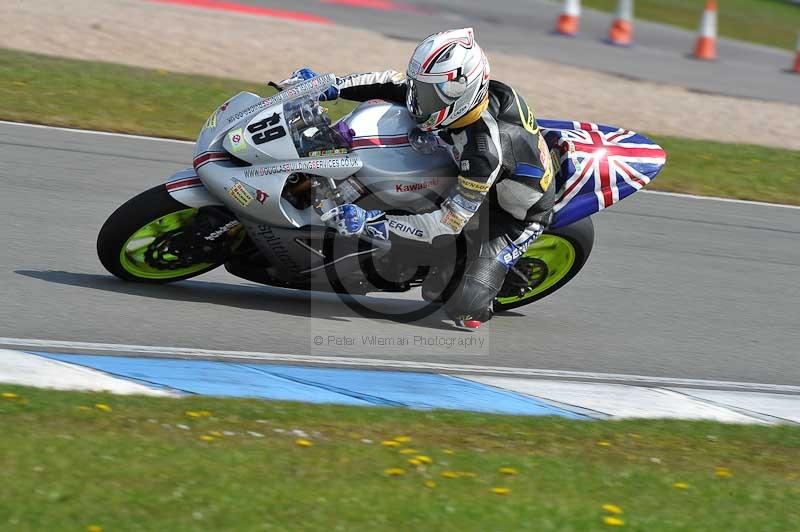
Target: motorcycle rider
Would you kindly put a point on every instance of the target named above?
(505, 167)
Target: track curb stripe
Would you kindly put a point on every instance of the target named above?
(360, 387)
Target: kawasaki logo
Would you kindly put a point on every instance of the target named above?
(413, 187)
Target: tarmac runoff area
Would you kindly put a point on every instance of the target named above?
(412, 389)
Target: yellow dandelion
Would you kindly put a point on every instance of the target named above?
(206, 437)
(508, 471)
(424, 459)
(198, 413)
(612, 509)
(216, 433)
(402, 439)
(302, 442)
(84, 408)
(613, 521)
(390, 443)
(103, 407)
(430, 484)
(394, 471)
(408, 451)
(500, 491)
(447, 451)
(604, 443)
(723, 472)
(9, 395)
(468, 474)
(415, 462)
(450, 474)
(681, 486)
(94, 528)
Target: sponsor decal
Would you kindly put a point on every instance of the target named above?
(543, 151)
(465, 165)
(288, 94)
(261, 196)
(320, 153)
(511, 253)
(401, 228)
(453, 220)
(414, 187)
(379, 231)
(547, 179)
(477, 186)
(211, 123)
(266, 234)
(414, 68)
(347, 161)
(222, 230)
(236, 138)
(240, 194)
(464, 203)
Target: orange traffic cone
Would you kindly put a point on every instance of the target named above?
(621, 30)
(569, 21)
(796, 68)
(706, 47)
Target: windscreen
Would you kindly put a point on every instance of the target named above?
(311, 131)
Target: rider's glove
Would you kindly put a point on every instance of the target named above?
(305, 73)
(352, 220)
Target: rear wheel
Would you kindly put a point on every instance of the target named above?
(153, 238)
(550, 262)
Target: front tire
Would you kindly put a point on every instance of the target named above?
(150, 239)
(552, 261)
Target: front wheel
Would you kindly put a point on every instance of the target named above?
(549, 263)
(153, 238)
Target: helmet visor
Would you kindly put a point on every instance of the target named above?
(423, 99)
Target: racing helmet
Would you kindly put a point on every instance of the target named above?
(447, 77)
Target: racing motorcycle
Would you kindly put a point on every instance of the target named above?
(265, 169)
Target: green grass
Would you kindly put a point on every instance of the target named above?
(144, 466)
(730, 170)
(771, 22)
(91, 95)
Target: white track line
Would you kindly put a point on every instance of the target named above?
(140, 137)
(94, 132)
(399, 364)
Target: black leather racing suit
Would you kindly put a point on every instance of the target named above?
(506, 177)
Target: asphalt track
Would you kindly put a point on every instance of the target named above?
(676, 287)
(525, 27)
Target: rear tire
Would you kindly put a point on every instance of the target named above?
(554, 260)
(147, 213)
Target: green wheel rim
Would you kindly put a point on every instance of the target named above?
(558, 254)
(132, 254)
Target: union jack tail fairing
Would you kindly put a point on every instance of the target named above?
(598, 166)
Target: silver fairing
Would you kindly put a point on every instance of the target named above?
(395, 172)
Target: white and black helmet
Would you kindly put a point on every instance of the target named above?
(447, 77)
